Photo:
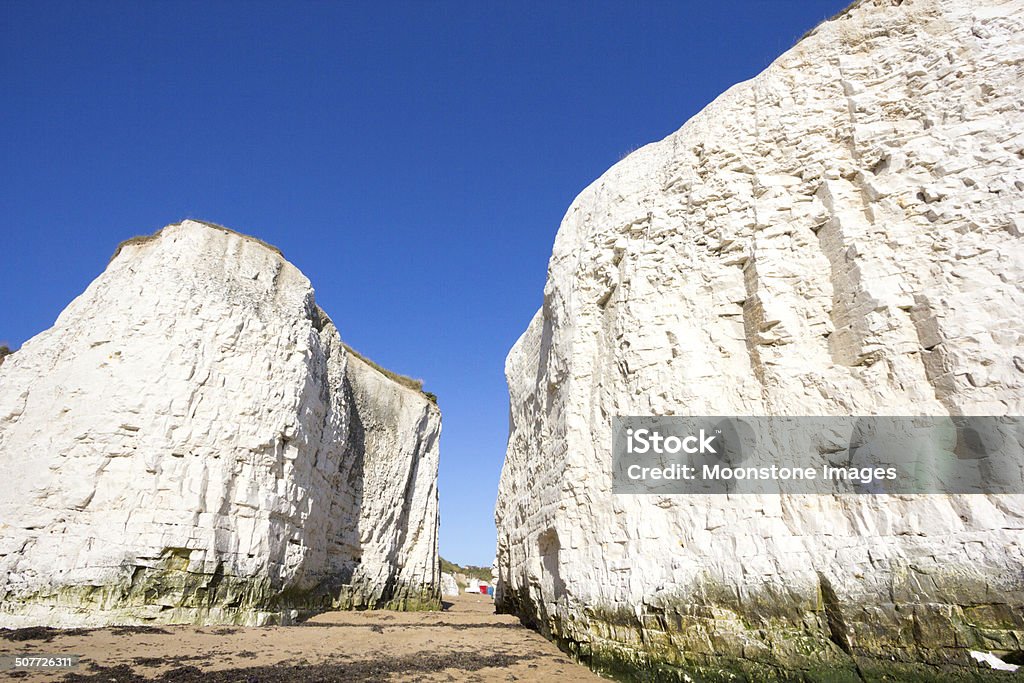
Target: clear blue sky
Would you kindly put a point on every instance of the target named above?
(414, 159)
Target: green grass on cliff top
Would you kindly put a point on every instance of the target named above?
(142, 239)
(414, 384)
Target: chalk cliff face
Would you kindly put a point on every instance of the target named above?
(840, 235)
(192, 442)
(449, 586)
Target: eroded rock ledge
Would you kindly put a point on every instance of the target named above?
(840, 235)
(191, 442)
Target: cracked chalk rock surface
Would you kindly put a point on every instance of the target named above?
(841, 235)
(192, 442)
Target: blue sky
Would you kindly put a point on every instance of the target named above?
(413, 159)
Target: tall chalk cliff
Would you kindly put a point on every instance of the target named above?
(192, 442)
(839, 235)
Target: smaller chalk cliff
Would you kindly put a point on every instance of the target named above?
(191, 442)
(841, 235)
(396, 429)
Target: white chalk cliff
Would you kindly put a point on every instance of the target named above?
(449, 586)
(192, 442)
(841, 235)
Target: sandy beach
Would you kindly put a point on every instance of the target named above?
(465, 642)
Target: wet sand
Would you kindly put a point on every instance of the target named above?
(466, 642)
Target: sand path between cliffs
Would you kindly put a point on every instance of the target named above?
(465, 642)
